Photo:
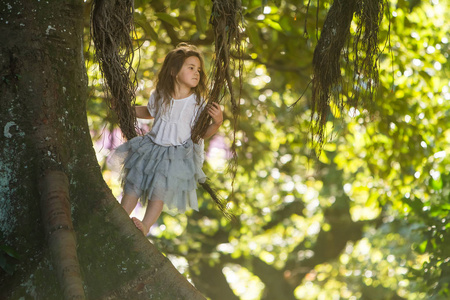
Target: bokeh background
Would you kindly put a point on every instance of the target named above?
(368, 218)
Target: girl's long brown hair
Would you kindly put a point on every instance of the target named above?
(172, 64)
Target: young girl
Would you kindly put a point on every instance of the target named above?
(164, 166)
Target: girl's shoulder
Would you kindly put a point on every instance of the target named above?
(153, 94)
(152, 103)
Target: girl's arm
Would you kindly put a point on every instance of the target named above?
(216, 114)
(142, 112)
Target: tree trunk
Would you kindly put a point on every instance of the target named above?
(44, 131)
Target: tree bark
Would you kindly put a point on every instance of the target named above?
(42, 113)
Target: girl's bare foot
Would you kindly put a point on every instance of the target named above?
(140, 225)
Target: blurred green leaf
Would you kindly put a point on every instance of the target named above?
(200, 17)
(168, 19)
(142, 21)
(10, 251)
(253, 34)
(436, 184)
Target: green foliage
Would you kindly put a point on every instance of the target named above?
(435, 236)
(340, 226)
(8, 259)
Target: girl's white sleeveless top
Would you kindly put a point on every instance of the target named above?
(172, 125)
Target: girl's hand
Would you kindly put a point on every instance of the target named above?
(215, 111)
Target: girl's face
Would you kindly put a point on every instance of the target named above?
(189, 74)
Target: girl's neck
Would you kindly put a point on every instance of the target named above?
(181, 92)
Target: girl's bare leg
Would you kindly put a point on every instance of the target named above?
(129, 202)
(152, 214)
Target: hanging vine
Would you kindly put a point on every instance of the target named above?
(225, 18)
(111, 25)
(327, 83)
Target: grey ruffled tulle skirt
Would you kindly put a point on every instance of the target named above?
(167, 173)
